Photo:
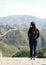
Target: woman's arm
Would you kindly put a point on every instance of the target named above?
(38, 34)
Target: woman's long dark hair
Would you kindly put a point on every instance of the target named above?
(33, 25)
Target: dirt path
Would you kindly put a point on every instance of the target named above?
(22, 61)
(8, 32)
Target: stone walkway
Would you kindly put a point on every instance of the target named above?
(22, 61)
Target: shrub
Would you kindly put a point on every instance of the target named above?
(40, 55)
(22, 53)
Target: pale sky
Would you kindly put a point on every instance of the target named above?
(23, 7)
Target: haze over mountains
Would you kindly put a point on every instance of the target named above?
(23, 19)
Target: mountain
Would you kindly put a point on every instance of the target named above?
(13, 33)
(23, 19)
(8, 50)
(5, 28)
(18, 38)
(15, 37)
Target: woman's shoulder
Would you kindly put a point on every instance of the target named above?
(37, 29)
(30, 28)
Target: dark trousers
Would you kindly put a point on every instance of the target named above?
(33, 44)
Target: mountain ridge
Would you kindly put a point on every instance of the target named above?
(23, 19)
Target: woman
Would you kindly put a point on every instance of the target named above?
(33, 34)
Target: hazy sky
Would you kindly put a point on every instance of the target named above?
(23, 7)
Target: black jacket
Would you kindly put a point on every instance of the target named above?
(32, 34)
